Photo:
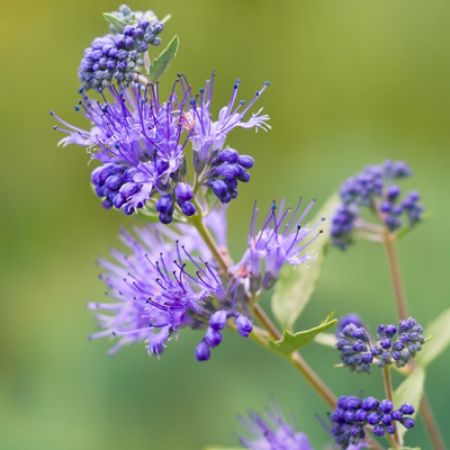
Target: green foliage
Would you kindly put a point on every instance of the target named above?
(161, 63)
(439, 331)
(115, 21)
(290, 342)
(296, 285)
(410, 391)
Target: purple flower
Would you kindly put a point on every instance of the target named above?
(281, 240)
(166, 283)
(141, 142)
(272, 433)
(154, 294)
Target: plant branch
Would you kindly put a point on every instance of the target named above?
(402, 309)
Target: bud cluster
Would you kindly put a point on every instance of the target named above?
(213, 336)
(352, 414)
(374, 189)
(395, 345)
(117, 57)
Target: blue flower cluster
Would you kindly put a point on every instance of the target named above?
(226, 170)
(213, 336)
(117, 57)
(375, 190)
(126, 16)
(398, 344)
(142, 142)
(352, 414)
(395, 345)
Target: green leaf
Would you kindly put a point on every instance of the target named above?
(296, 284)
(290, 342)
(117, 23)
(439, 331)
(410, 391)
(327, 339)
(161, 63)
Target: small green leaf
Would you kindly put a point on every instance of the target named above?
(117, 23)
(439, 331)
(161, 63)
(290, 342)
(410, 391)
(296, 284)
(327, 339)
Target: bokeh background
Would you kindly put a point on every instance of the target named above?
(352, 82)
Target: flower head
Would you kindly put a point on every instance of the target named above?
(375, 190)
(141, 143)
(165, 283)
(352, 414)
(280, 241)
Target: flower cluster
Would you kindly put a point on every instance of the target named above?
(375, 190)
(398, 344)
(155, 294)
(141, 143)
(281, 240)
(352, 414)
(395, 345)
(117, 57)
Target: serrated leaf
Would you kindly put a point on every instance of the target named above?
(290, 342)
(439, 331)
(410, 391)
(161, 63)
(296, 284)
(114, 21)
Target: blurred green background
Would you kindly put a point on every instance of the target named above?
(353, 82)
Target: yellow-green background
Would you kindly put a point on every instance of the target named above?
(353, 82)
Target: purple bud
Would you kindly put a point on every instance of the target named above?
(213, 337)
(228, 155)
(202, 352)
(164, 205)
(218, 320)
(183, 192)
(188, 209)
(407, 409)
(246, 161)
(408, 423)
(378, 430)
(243, 325)
(386, 406)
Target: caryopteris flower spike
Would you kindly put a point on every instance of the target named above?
(375, 191)
(141, 142)
(395, 345)
(352, 414)
(282, 240)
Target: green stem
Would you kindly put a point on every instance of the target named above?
(295, 359)
(387, 378)
(402, 310)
